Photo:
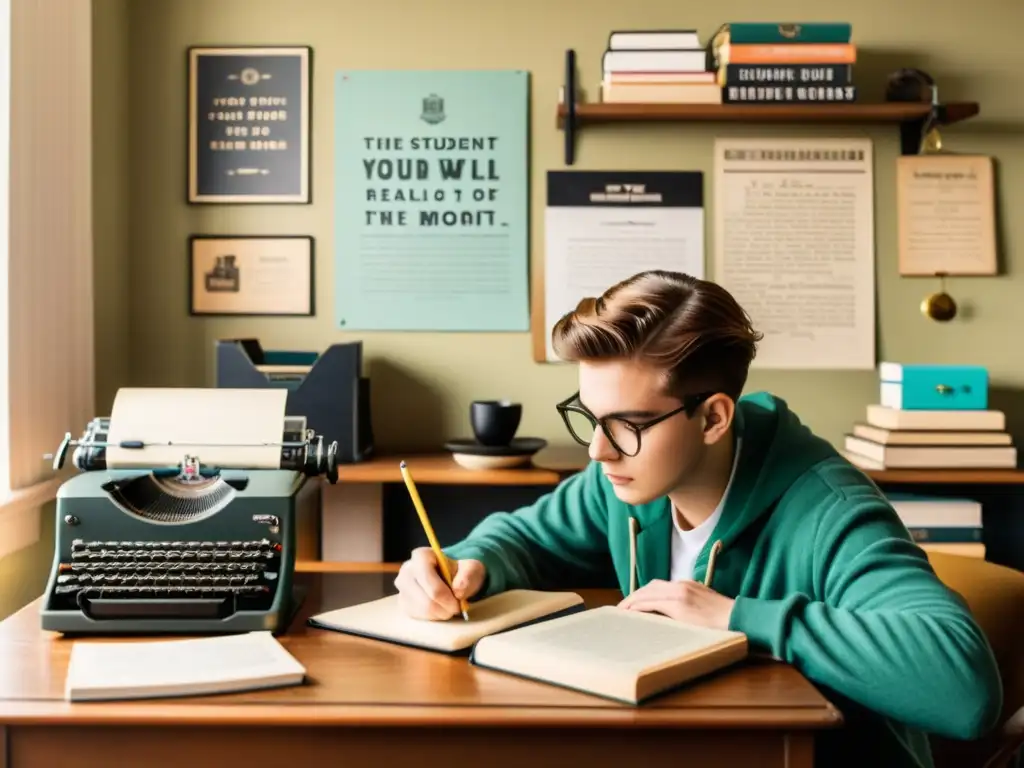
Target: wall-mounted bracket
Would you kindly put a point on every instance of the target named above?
(914, 132)
(569, 99)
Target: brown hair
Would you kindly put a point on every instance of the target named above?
(692, 328)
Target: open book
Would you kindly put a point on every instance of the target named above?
(612, 652)
(147, 669)
(384, 619)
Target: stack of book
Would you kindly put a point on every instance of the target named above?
(942, 524)
(931, 417)
(766, 63)
(657, 67)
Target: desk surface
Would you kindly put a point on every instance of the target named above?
(356, 681)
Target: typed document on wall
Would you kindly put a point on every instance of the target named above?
(794, 244)
(604, 226)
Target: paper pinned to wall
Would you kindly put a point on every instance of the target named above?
(947, 215)
(604, 226)
(226, 428)
(794, 244)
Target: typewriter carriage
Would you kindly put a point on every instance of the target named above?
(302, 450)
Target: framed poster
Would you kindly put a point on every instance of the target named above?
(248, 124)
(251, 275)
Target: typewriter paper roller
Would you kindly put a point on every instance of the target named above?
(227, 428)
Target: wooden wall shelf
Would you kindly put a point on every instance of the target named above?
(883, 113)
(325, 566)
(948, 476)
(441, 469)
(913, 119)
(553, 464)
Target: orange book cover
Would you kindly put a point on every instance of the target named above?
(792, 53)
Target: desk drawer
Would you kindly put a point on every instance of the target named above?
(934, 387)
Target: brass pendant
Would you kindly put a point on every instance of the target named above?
(939, 306)
(932, 142)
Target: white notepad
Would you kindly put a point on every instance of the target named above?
(193, 667)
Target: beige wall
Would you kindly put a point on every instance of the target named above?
(111, 223)
(142, 222)
(972, 61)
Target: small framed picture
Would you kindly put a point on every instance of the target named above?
(248, 124)
(251, 275)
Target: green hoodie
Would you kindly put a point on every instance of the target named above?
(824, 574)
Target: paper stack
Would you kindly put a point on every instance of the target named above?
(186, 667)
(931, 417)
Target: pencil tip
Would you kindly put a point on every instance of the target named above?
(401, 465)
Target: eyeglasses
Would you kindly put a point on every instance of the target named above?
(623, 434)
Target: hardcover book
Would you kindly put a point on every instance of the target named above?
(615, 653)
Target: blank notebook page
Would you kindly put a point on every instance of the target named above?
(385, 618)
(610, 635)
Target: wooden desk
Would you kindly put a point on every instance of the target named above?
(370, 703)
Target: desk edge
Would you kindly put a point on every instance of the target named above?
(15, 713)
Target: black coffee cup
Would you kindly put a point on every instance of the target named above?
(494, 422)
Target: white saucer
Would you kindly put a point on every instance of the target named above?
(470, 461)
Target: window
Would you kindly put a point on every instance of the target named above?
(46, 328)
(5, 237)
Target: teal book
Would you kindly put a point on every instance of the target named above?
(926, 387)
(774, 33)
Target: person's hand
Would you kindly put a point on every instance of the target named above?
(422, 591)
(686, 601)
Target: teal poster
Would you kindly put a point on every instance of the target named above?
(431, 194)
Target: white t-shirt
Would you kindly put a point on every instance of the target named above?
(686, 545)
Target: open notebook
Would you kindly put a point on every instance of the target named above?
(148, 669)
(612, 652)
(384, 619)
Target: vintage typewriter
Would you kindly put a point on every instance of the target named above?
(180, 549)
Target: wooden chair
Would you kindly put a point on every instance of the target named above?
(995, 595)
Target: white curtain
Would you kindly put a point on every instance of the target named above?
(49, 377)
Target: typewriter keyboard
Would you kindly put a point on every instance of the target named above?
(170, 569)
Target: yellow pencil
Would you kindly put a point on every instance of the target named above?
(442, 561)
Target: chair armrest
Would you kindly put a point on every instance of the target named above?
(1011, 737)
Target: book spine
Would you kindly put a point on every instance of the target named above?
(783, 53)
(946, 534)
(790, 33)
(788, 74)
(789, 94)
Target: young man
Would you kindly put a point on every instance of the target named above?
(810, 561)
